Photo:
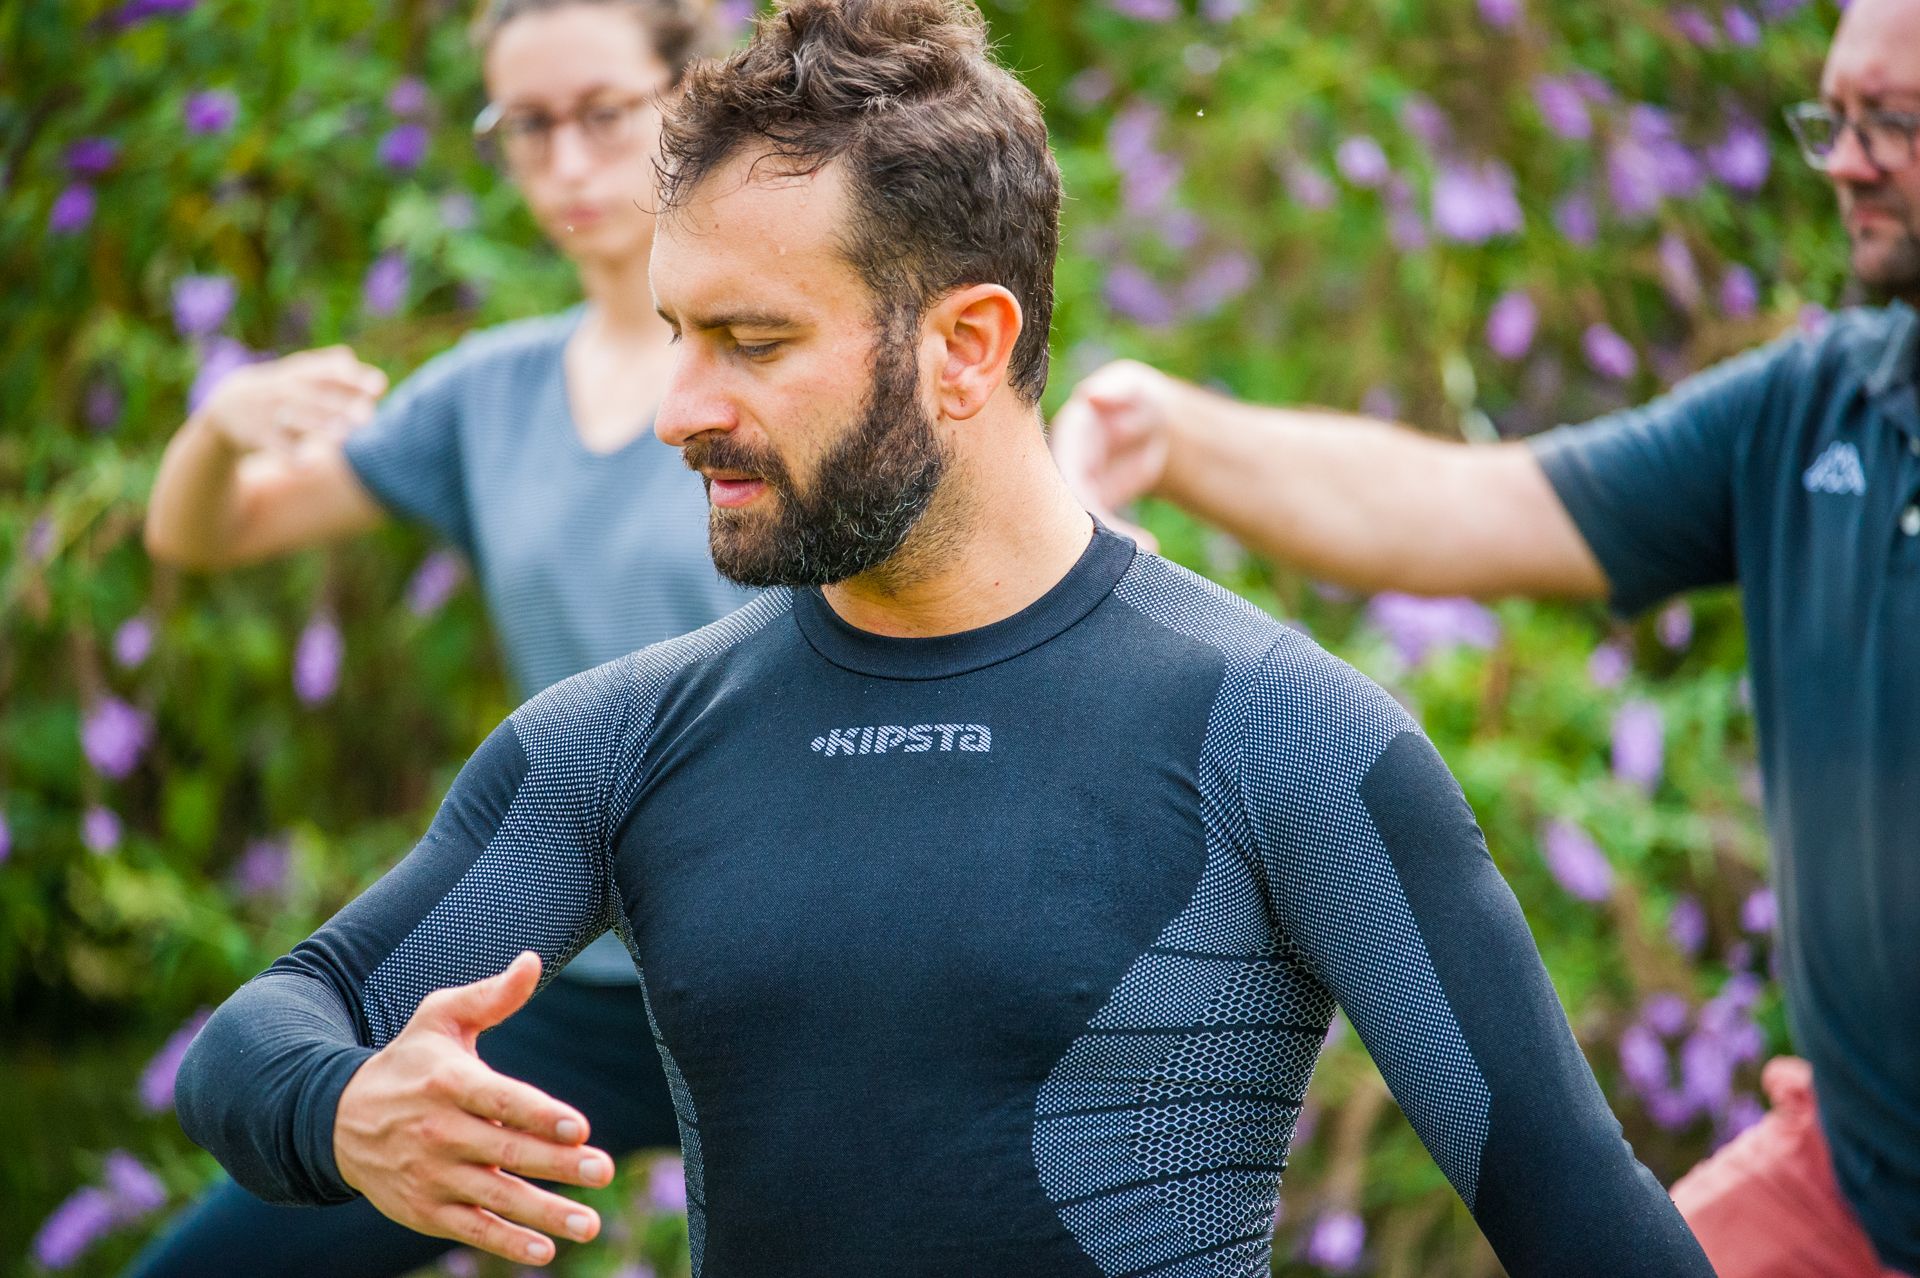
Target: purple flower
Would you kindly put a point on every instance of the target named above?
(1510, 325)
(386, 283)
(1609, 664)
(1678, 274)
(219, 357)
(103, 403)
(1147, 10)
(1308, 186)
(1647, 163)
(1131, 292)
(1740, 26)
(1220, 279)
(99, 830)
(1696, 26)
(210, 111)
(1739, 292)
(1563, 108)
(140, 10)
(1090, 88)
(1419, 628)
(1741, 158)
(403, 147)
(90, 157)
(408, 96)
(316, 660)
(1222, 10)
(75, 1225)
(262, 869)
(1638, 744)
(635, 1269)
(1424, 120)
(1361, 161)
(135, 1191)
(667, 1185)
(434, 582)
(1706, 1072)
(1405, 227)
(156, 1080)
(1380, 402)
(1687, 926)
(1665, 1014)
(1577, 220)
(460, 1264)
(458, 211)
(40, 539)
(1608, 353)
(201, 304)
(1643, 1059)
(1501, 14)
(114, 737)
(1675, 625)
(1132, 133)
(133, 641)
(1743, 1111)
(1336, 1242)
(6, 839)
(1758, 912)
(1179, 229)
(1670, 1110)
(72, 210)
(1812, 318)
(1576, 862)
(1475, 204)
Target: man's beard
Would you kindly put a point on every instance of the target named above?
(1897, 272)
(868, 493)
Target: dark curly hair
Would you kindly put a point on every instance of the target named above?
(952, 182)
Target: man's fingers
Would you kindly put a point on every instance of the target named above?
(485, 1003)
(478, 1227)
(493, 1096)
(491, 1145)
(515, 1201)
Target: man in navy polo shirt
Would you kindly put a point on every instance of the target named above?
(1794, 471)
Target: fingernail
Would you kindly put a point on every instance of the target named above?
(567, 1129)
(537, 1251)
(578, 1224)
(592, 1168)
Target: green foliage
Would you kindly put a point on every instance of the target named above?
(1209, 230)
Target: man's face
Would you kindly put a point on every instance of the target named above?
(800, 407)
(1875, 65)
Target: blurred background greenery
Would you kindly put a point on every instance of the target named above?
(1481, 216)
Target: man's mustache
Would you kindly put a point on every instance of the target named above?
(724, 452)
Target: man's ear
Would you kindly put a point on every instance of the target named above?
(975, 328)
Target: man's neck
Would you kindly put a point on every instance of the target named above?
(1003, 531)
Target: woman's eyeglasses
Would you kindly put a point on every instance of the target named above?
(524, 138)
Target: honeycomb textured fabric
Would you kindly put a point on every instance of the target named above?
(1004, 952)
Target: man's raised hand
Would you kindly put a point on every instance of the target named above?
(440, 1143)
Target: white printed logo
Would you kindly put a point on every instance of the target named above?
(1837, 470)
(920, 738)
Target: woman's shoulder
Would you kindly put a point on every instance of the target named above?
(541, 338)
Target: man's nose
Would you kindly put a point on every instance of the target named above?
(694, 403)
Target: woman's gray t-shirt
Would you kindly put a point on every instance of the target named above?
(581, 556)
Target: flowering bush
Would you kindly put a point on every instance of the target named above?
(1481, 219)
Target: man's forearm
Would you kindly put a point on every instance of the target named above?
(193, 510)
(260, 1086)
(1364, 504)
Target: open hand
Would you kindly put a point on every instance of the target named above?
(440, 1143)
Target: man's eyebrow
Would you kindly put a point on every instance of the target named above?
(741, 319)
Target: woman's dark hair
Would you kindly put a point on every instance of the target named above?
(682, 31)
(951, 179)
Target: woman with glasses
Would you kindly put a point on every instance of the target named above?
(529, 447)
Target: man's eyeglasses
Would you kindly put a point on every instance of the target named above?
(524, 139)
(1885, 136)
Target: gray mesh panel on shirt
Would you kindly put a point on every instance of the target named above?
(585, 741)
(1161, 1133)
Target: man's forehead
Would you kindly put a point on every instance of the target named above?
(751, 221)
(1876, 51)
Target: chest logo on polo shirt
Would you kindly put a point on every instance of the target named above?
(890, 738)
(1837, 470)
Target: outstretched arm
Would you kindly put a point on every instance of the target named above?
(349, 1065)
(1349, 499)
(1379, 872)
